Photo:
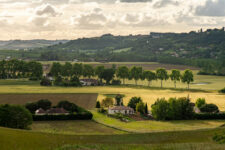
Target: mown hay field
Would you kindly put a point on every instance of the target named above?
(86, 100)
(148, 95)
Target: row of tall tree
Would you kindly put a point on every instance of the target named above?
(14, 68)
(122, 72)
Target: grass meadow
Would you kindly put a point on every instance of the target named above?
(33, 140)
(156, 126)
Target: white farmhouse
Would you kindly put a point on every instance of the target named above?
(121, 109)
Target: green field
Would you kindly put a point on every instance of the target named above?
(81, 127)
(156, 126)
(188, 140)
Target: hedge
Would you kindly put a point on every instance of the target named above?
(84, 116)
(209, 116)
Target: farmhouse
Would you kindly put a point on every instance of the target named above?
(89, 82)
(121, 109)
(51, 111)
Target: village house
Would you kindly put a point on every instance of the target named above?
(121, 109)
(89, 82)
(51, 111)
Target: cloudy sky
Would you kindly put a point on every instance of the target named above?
(71, 19)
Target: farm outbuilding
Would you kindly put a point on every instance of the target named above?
(121, 109)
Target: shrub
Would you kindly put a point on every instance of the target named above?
(102, 110)
(160, 109)
(209, 108)
(222, 90)
(71, 107)
(116, 82)
(108, 101)
(44, 104)
(200, 102)
(133, 102)
(220, 138)
(79, 116)
(98, 105)
(140, 107)
(31, 106)
(45, 82)
(119, 100)
(15, 116)
(173, 109)
(209, 116)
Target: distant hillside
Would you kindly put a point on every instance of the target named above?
(204, 49)
(27, 44)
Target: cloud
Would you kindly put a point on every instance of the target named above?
(164, 3)
(90, 20)
(212, 8)
(48, 10)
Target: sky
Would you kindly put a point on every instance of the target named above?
(71, 19)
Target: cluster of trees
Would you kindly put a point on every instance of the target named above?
(46, 104)
(137, 73)
(15, 116)
(172, 109)
(14, 68)
(135, 102)
(75, 71)
(206, 108)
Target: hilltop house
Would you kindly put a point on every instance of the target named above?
(51, 111)
(121, 109)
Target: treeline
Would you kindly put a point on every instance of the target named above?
(13, 69)
(208, 66)
(72, 72)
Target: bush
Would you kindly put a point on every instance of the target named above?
(71, 107)
(200, 102)
(45, 82)
(107, 102)
(133, 102)
(116, 82)
(220, 138)
(209, 108)
(31, 106)
(98, 105)
(160, 109)
(102, 110)
(209, 116)
(140, 107)
(44, 104)
(79, 116)
(173, 109)
(222, 90)
(14, 116)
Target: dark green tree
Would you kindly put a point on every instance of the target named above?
(187, 77)
(77, 70)
(88, 71)
(146, 108)
(133, 102)
(56, 69)
(150, 76)
(136, 73)
(99, 72)
(162, 74)
(44, 104)
(98, 105)
(123, 73)
(15, 116)
(175, 76)
(108, 75)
